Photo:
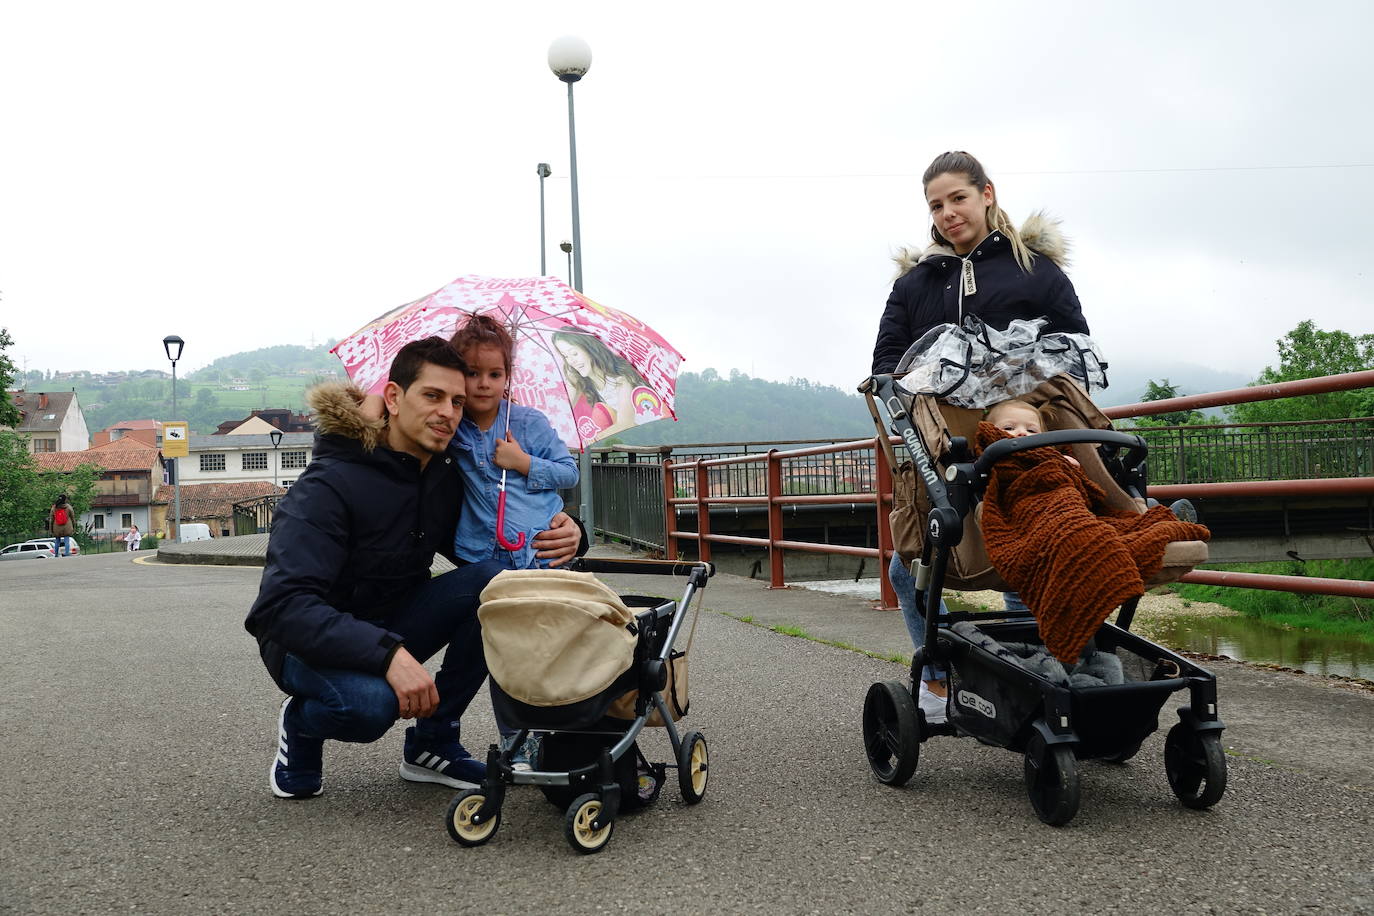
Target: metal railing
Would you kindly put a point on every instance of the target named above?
(759, 480)
(254, 516)
(1298, 450)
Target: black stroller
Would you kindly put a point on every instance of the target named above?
(993, 695)
(588, 762)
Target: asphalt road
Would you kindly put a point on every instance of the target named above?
(138, 726)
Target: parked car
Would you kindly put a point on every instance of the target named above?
(72, 545)
(29, 551)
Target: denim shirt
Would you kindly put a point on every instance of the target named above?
(530, 501)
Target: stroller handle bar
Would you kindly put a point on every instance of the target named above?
(1006, 447)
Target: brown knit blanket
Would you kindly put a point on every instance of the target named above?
(1051, 536)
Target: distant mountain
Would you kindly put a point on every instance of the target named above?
(712, 407)
(738, 408)
(1127, 380)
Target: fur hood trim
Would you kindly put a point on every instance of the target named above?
(1040, 232)
(338, 412)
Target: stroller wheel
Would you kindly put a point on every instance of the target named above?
(693, 767)
(892, 738)
(1195, 765)
(461, 825)
(1051, 781)
(580, 826)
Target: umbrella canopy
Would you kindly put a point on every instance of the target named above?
(594, 371)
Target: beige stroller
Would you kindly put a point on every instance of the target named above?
(996, 695)
(588, 669)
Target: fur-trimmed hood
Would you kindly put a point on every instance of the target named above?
(1040, 232)
(338, 412)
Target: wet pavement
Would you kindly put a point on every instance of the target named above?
(139, 725)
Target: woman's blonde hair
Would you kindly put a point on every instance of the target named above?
(958, 162)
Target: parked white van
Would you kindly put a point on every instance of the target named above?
(195, 531)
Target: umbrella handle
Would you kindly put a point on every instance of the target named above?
(501, 525)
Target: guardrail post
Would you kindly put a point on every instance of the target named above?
(882, 489)
(703, 514)
(774, 490)
(669, 513)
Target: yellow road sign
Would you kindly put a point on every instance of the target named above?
(176, 440)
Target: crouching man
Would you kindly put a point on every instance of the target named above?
(347, 612)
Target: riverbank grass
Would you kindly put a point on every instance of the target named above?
(1337, 616)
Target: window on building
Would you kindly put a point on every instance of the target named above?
(212, 462)
(286, 484)
(45, 445)
(292, 460)
(126, 520)
(98, 521)
(255, 461)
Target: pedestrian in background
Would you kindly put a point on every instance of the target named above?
(133, 538)
(62, 523)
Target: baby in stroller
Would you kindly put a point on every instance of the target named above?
(982, 507)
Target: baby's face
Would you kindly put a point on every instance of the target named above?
(1015, 420)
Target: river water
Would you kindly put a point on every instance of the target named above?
(1244, 638)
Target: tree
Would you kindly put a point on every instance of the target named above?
(1309, 352)
(1164, 391)
(26, 495)
(9, 414)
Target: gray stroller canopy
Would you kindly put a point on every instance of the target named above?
(976, 366)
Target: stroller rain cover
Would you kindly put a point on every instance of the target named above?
(554, 637)
(976, 366)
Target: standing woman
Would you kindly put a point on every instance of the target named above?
(978, 264)
(62, 521)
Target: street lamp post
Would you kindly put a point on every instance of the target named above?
(544, 172)
(566, 247)
(173, 345)
(276, 456)
(570, 58)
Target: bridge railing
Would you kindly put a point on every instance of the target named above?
(1225, 452)
(857, 473)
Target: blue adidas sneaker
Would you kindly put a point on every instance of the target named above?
(443, 761)
(298, 769)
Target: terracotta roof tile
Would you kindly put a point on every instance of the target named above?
(213, 500)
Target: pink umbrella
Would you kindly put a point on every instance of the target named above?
(594, 371)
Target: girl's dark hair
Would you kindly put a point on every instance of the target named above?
(411, 359)
(483, 330)
(958, 162)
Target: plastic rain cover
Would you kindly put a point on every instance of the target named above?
(977, 366)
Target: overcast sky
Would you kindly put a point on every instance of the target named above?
(260, 173)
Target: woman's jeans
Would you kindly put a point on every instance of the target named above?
(905, 587)
(348, 705)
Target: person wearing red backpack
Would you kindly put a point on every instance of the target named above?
(62, 522)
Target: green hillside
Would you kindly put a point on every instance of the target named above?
(227, 389)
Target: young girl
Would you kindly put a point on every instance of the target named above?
(536, 462)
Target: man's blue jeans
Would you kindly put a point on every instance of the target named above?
(347, 705)
(62, 545)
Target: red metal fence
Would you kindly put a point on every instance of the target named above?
(769, 478)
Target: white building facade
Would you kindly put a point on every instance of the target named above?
(245, 458)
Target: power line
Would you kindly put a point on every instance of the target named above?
(916, 176)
